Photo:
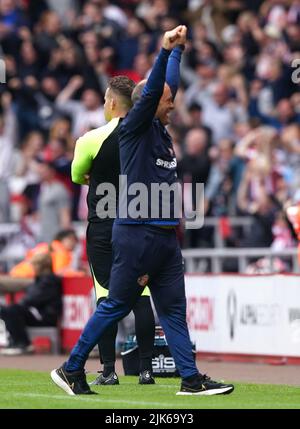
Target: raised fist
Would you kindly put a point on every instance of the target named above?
(174, 37)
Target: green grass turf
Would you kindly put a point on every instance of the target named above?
(35, 390)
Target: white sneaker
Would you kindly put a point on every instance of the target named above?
(16, 351)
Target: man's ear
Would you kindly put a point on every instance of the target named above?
(113, 104)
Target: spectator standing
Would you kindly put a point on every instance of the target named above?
(7, 143)
(220, 113)
(194, 168)
(54, 203)
(87, 113)
(260, 205)
(195, 164)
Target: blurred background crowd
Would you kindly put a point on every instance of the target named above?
(236, 126)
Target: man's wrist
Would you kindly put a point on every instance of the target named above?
(166, 51)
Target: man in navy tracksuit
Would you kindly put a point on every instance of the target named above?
(146, 250)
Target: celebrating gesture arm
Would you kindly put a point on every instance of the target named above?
(173, 68)
(141, 115)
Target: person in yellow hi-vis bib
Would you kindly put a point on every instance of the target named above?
(96, 161)
(101, 292)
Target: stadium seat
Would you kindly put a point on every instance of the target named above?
(50, 332)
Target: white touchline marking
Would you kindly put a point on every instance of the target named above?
(160, 404)
(46, 383)
(99, 399)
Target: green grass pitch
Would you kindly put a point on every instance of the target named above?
(35, 390)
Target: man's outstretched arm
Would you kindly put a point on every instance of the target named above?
(173, 70)
(173, 67)
(141, 115)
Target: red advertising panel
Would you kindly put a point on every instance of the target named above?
(78, 305)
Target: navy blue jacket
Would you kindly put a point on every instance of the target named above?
(146, 151)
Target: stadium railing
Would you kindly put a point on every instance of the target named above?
(195, 259)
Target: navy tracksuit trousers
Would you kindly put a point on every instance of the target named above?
(141, 251)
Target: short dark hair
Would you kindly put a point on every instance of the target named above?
(123, 86)
(40, 159)
(195, 107)
(138, 90)
(61, 235)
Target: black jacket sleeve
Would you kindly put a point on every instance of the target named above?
(44, 294)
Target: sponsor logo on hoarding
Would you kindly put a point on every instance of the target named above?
(232, 313)
(294, 314)
(200, 315)
(164, 364)
(77, 310)
(294, 321)
(295, 331)
(259, 314)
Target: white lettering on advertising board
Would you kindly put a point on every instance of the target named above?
(77, 311)
(257, 315)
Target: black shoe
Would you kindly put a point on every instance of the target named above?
(73, 383)
(204, 385)
(146, 378)
(111, 380)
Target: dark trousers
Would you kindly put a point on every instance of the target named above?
(16, 318)
(100, 255)
(143, 251)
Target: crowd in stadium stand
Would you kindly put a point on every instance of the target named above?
(236, 126)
